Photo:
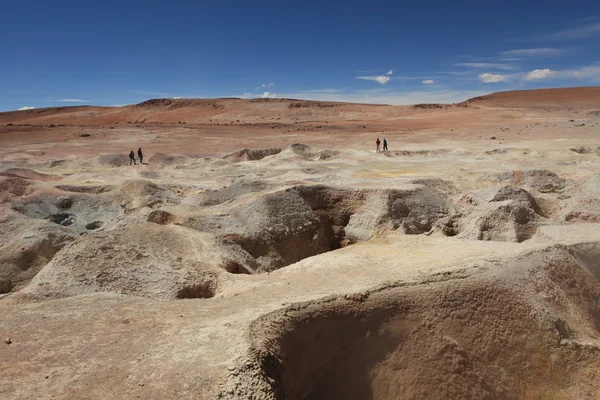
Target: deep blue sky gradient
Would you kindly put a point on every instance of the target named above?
(122, 52)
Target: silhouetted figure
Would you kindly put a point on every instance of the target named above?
(140, 155)
(385, 145)
(378, 143)
(131, 157)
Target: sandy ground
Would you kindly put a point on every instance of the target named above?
(447, 267)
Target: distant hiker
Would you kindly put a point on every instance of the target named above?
(131, 158)
(140, 155)
(378, 143)
(385, 145)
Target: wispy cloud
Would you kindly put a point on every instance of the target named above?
(511, 59)
(24, 108)
(413, 78)
(590, 18)
(590, 73)
(176, 97)
(382, 79)
(428, 81)
(539, 74)
(486, 65)
(68, 100)
(492, 78)
(461, 73)
(390, 72)
(537, 52)
(579, 32)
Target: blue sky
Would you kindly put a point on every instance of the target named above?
(57, 53)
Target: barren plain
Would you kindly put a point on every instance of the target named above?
(264, 250)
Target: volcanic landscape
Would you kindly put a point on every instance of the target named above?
(265, 250)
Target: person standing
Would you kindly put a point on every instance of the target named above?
(140, 155)
(385, 145)
(378, 143)
(131, 158)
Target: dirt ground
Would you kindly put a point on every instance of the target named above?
(264, 250)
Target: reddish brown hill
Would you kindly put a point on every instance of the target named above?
(577, 96)
(55, 115)
(223, 111)
(288, 111)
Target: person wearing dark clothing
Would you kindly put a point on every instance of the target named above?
(131, 157)
(385, 145)
(378, 143)
(140, 155)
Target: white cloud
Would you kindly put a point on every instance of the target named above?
(176, 97)
(264, 95)
(486, 65)
(539, 74)
(390, 72)
(537, 52)
(383, 79)
(267, 95)
(25, 108)
(511, 59)
(578, 33)
(492, 78)
(428, 81)
(69, 100)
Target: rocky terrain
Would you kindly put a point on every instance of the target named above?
(264, 250)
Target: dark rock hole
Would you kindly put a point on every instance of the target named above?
(199, 291)
(93, 225)
(63, 219)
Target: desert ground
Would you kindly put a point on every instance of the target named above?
(265, 250)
